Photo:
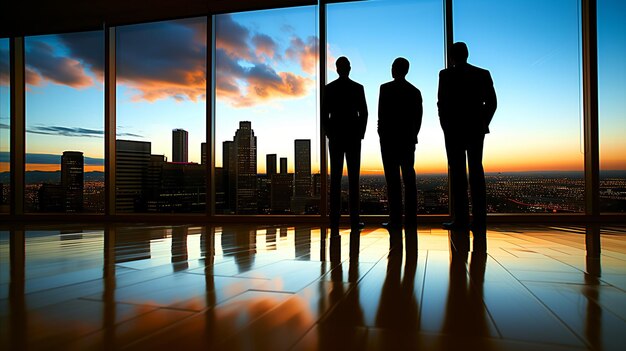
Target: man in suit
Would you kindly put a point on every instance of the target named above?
(344, 119)
(399, 122)
(467, 103)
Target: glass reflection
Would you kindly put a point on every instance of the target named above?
(219, 287)
(465, 314)
(5, 125)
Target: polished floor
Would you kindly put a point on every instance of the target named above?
(289, 287)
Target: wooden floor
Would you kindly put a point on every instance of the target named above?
(290, 287)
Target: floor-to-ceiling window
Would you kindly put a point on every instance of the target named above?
(64, 123)
(266, 116)
(161, 117)
(371, 35)
(5, 125)
(612, 104)
(534, 154)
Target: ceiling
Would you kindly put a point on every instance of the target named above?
(35, 17)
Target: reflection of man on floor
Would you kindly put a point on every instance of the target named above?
(467, 103)
(344, 119)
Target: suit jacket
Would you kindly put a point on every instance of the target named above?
(399, 113)
(466, 99)
(344, 110)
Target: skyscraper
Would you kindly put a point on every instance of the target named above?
(203, 153)
(283, 165)
(246, 183)
(180, 139)
(229, 165)
(270, 164)
(72, 175)
(302, 180)
(281, 194)
(132, 159)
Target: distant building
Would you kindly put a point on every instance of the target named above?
(282, 189)
(51, 198)
(132, 160)
(183, 188)
(203, 151)
(229, 165)
(270, 164)
(246, 169)
(302, 171)
(154, 181)
(180, 140)
(220, 194)
(72, 180)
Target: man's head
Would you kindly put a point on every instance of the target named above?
(343, 66)
(459, 53)
(400, 68)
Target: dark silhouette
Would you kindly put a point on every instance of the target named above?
(467, 102)
(398, 310)
(466, 319)
(399, 121)
(344, 119)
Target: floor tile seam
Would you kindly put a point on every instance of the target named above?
(251, 322)
(175, 324)
(509, 252)
(235, 275)
(544, 306)
(497, 340)
(472, 286)
(549, 310)
(91, 281)
(160, 331)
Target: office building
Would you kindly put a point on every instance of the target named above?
(245, 170)
(72, 180)
(132, 160)
(270, 164)
(302, 174)
(180, 141)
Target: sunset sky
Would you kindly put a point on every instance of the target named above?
(266, 70)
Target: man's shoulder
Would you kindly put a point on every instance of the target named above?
(478, 70)
(355, 84)
(386, 86)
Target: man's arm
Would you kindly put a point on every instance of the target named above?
(419, 111)
(362, 111)
(491, 102)
(443, 100)
(381, 107)
(325, 113)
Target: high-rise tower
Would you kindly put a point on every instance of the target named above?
(246, 177)
(72, 176)
(180, 139)
(302, 178)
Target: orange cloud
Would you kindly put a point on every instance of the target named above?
(306, 53)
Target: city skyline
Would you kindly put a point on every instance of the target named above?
(147, 182)
(65, 109)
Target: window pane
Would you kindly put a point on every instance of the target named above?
(5, 125)
(266, 112)
(371, 35)
(612, 89)
(64, 123)
(161, 123)
(534, 154)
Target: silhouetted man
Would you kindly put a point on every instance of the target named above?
(467, 102)
(344, 118)
(399, 122)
